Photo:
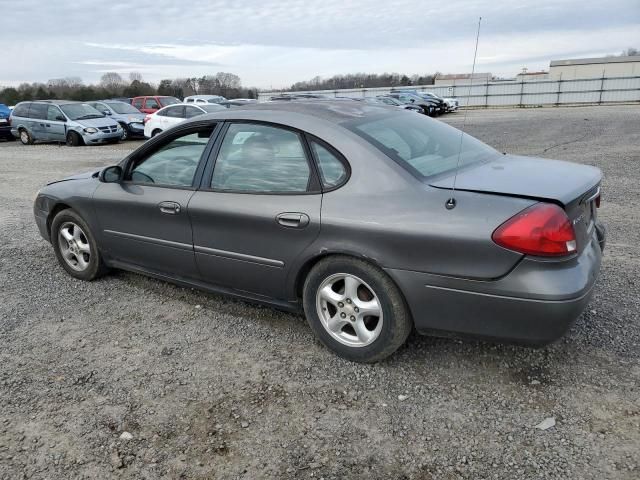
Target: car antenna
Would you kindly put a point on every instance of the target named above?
(450, 204)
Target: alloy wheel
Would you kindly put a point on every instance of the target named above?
(349, 310)
(24, 136)
(74, 246)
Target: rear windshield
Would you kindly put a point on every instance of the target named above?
(424, 146)
(80, 111)
(121, 107)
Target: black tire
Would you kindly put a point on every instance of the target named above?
(397, 324)
(74, 139)
(25, 137)
(155, 132)
(96, 267)
(125, 132)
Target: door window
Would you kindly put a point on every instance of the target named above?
(332, 170)
(174, 112)
(174, 163)
(261, 159)
(38, 111)
(53, 112)
(193, 112)
(137, 103)
(151, 103)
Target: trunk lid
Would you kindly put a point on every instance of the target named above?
(573, 186)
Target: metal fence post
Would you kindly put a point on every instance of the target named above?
(486, 94)
(521, 91)
(559, 90)
(601, 88)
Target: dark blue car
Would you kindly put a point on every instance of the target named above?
(5, 124)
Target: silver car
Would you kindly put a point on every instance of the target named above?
(74, 123)
(131, 119)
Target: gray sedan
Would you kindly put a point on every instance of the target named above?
(348, 212)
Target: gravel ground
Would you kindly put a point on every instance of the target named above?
(208, 387)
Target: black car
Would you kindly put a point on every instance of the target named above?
(430, 107)
(5, 123)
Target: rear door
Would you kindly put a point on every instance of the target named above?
(257, 210)
(144, 220)
(37, 121)
(172, 116)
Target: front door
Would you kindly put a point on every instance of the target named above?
(144, 220)
(55, 126)
(257, 211)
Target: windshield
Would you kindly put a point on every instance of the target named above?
(424, 146)
(121, 107)
(168, 101)
(212, 107)
(80, 111)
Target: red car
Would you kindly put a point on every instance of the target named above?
(152, 103)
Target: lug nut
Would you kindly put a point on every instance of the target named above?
(348, 300)
(343, 315)
(353, 318)
(356, 309)
(340, 304)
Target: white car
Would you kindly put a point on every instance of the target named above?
(204, 99)
(167, 117)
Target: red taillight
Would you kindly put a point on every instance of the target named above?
(542, 229)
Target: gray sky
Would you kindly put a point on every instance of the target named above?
(275, 43)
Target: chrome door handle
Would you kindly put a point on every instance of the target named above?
(170, 208)
(293, 219)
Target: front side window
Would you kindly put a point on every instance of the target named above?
(137, 103)
(174, 163)
(151, 103)
(332, 170)
(261, 159)
(424, 146)
(53, 113)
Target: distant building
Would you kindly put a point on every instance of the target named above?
(595, 67)
(462, 78)
(529, 76)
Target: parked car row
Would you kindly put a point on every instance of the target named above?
(103, 121)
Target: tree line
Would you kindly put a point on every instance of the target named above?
(113, 85)
(363, 80)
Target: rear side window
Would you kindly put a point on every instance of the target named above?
(175, 112)
(137, 103)
(261, 159)
(193, 112)
(332, 171)
(38, 111)
(21, 110)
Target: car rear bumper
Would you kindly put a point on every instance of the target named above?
(5, 131)
(536, 303)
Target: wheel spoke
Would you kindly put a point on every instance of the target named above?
(76, 233)
(84, 247)
(351, 285)
(82, 263)
(370, 308)
(363, 334)
(336, 323)
(330, 296)
(66, 234)
(68, 254)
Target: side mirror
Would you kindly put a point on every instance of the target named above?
(413, 101)
(107, 112)
(111, 174)
(61, 118)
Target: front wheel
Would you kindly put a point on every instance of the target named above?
(125, 132)
(75, 246)
(355, 309)
(74, 139)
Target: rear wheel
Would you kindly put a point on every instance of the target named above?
(25, 137)
(156, 132)
(74, 139)
(75, 246)
(355, 309)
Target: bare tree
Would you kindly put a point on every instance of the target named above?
(112, 81)
(133, 76)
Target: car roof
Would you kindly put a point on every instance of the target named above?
(332, 110)
(55, 102)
